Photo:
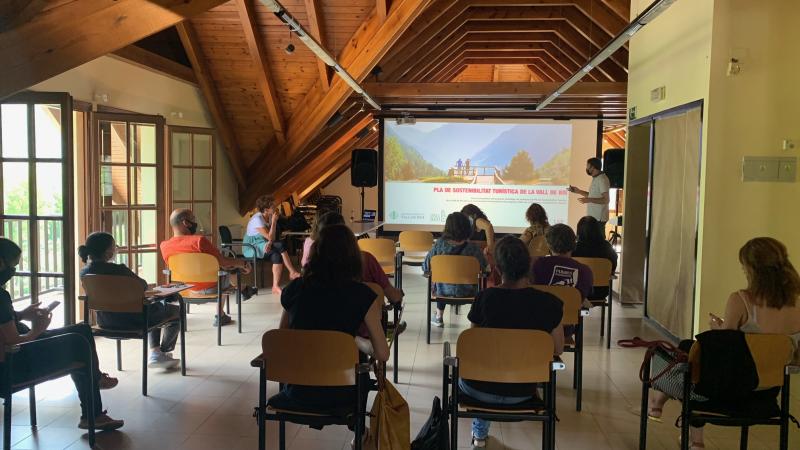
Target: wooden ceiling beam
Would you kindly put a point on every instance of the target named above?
(76, 32)
(317, 31)
(458, 72)
(387, 91)
(539, 73)
(255, 45)
(213, 102)
(622, 8)
(366, 48)
(157, 63)
(382, 8)
(554, 73)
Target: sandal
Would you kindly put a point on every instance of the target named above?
(694, 445)
(651, 413)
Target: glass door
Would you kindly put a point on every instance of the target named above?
(128, 194)
(192, 186)
(36, 184)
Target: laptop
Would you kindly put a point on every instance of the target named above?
(368, 216)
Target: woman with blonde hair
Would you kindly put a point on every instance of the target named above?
(767, 305)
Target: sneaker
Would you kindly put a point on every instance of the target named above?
(437, 321)
(226, 320)
(248, 292)
(478, 442)
(107, 382)
(162, 360)
(102, 422)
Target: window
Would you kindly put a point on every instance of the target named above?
(192, 177)
(36, 185)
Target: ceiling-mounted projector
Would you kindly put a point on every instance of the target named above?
(405, 120)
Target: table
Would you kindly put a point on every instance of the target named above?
(360, 229)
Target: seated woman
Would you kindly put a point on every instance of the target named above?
(482, 229)
(262, 232)
(53, 355)
(560, 269)
(97, 254)
(512, 304)
(329, 296)
(453, 241)
(592, 244)
(537, 219)
(767, 305)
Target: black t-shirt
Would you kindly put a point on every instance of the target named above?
(7, 313)
(314, 306)
(108, 268)
(526, 308)
(602, 249)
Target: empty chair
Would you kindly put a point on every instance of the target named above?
(411, 251)
(452, 270)
(228, 242)
(383, 250)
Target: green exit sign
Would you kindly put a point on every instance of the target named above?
(632, 113)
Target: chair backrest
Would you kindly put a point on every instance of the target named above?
(193, 267)
(570, 297)
(601, 270)
(505, 355)
(310, 357)
(382, 249)
(416, 241)
(113, 293)
(455, 269)
(771, 353)
(538, 246)
(225, 235)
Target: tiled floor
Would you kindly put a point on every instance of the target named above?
(211, 408)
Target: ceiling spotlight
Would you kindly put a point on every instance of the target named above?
(289, 49)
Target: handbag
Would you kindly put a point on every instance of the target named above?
(663, 358)
(390, 421)
(435, 433)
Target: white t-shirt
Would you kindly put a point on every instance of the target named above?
(600, 185)
(256, 222)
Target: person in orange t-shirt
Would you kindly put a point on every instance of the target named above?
(184, 225)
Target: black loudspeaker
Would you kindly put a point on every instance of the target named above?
(614, 166)
(364, 168)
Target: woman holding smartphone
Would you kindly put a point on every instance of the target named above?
(767, 305)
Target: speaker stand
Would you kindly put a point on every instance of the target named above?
(362, 202)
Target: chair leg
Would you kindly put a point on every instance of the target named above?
(282, 435)
(228, 303)
(428, 307)
(144, 365)
(579, 365)
(119, 355)
(743, 438)
(602, 320)
(183, 345)
(608, 324)
(239, 300)
(396, 352)
(784, 428)
(7, 422)
(32, 405)
(643, 411)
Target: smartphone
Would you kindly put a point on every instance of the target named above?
(53, 306)
(716, 318)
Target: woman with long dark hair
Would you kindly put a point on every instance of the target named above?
(537, 226)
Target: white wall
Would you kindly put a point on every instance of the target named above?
(351, 196)
(133, 88)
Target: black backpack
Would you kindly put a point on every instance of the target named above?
(435, 434)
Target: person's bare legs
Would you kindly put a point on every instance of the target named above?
(656, 402)
(277, 272)
(287, 261)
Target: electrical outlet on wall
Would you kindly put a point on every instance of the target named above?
(788, 144)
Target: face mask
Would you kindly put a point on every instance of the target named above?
(192, 227)
(7, 274)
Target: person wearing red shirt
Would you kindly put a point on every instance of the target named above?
(184, 240)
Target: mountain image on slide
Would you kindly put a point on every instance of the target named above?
(402, 162)
(446, 144)
(541, 142)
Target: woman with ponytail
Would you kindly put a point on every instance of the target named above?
(97, 254)
(767, 305)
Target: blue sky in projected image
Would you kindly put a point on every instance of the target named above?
(443, 143)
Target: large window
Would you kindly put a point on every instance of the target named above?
(128, 189)
(35, 180)
(191, 180)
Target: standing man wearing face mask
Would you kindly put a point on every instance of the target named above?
(596, 199)
(184, 240)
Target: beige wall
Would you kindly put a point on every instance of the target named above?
(351, 196)
(130, 87)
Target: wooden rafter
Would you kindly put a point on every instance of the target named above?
(258, 54)
(382, 8)
(315, 25)
(76, 32)
(366, 48)
(387, 91)
(539, 73)
(204, 79)
(151, 61)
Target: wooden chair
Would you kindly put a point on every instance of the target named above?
(383, 250)
(121, 294)
(204, 268)
(573, 315)
(452, 269)
(502, 356)
(772, 354)
(602, 277)
(8, 387)
(390, 328)
(308, 358)
(412, 248)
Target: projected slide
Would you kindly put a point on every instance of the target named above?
(434, 168)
